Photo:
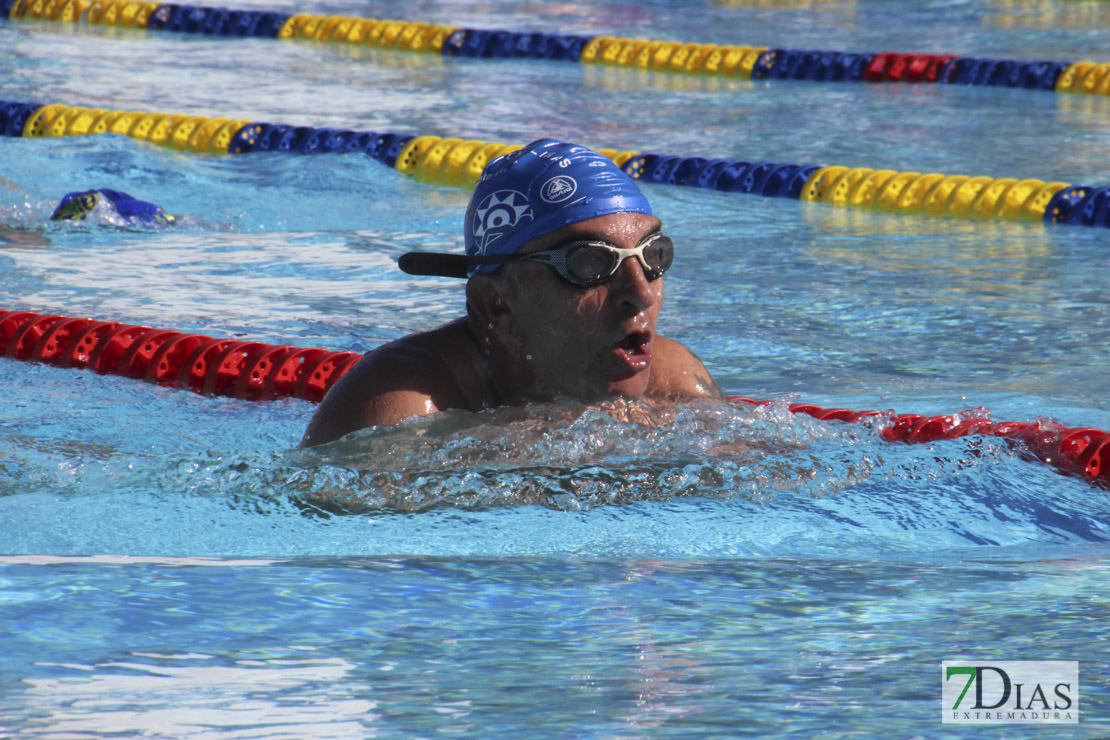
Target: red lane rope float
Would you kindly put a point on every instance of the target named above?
(317, 376)
(54, 341)
(223, 367)
(165, 364)
(251, 381)
(1085, 452)
(896, 67)
(287, 370)
(258, 371)
(108, 354)
(137, 358)
(195, 367)
(27, 335)
(77, 352)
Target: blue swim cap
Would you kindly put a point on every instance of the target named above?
(545, 186)
(76, 206)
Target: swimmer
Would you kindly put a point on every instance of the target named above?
(135, 212)
(114, 206)
(564, 265)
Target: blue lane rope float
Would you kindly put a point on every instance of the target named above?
(457, 162)
(13, 116)
(745, 62)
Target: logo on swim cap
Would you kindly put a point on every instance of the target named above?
(538, 189)
(558, 189)
(501, 212)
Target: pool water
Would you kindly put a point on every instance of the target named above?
(171, 566)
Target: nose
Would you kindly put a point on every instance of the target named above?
(631, 287)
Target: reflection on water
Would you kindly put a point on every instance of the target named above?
(630, 79)
(417, 647)
(379, 57)
(1042, 15)
(193, 695)
(997, 260)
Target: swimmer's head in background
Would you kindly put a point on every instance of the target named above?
(545, 186)
(76, 206)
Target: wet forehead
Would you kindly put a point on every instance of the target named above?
(620, 229)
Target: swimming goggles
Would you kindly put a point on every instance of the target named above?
(584, 263)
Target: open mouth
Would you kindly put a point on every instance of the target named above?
(634, 349)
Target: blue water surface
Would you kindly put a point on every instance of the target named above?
(172, 566)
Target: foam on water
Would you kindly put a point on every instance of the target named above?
(635, 480)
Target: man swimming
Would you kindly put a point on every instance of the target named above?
(116, 205)
(106, 206)
(565, 264)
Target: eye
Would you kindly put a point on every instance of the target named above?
(590, 263)
(659, 254)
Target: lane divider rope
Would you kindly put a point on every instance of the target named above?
(221, 367)
(457, 162)
(1083, 451)
(259, 371)
(744, 62)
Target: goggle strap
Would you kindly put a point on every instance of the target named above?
(447, 265)
(458, 265)
(432, 263)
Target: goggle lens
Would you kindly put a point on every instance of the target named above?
(592, 263)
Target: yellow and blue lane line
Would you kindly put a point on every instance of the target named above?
(458, 162)
(744, 62)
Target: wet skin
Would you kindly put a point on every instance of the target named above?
(529, 336)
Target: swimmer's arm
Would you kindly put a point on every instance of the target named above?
(382, 388)
(23, 238)
(677, 372)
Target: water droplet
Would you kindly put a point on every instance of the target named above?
(491, 326)
(528, 357)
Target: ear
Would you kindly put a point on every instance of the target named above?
(485, 296)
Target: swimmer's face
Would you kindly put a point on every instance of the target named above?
(586, 343)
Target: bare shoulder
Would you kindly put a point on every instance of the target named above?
(413, 376)
(675, 370)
